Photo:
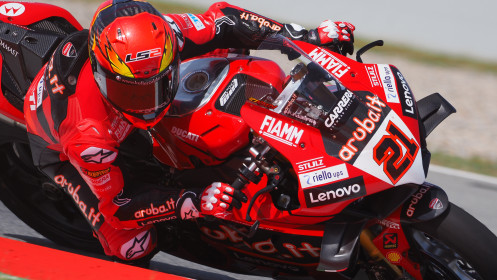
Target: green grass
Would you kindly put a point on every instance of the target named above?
(176, 8)
(474, 164)
(8, 277)
(167, 8)
(430, 58)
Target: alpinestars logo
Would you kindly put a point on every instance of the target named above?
(188, 210)
(119, 200)
(98, 155)
(224, 20)
(136, 246)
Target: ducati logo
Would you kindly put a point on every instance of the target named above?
(12, 9)
(68, 50)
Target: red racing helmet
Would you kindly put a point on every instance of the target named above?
(134, 58)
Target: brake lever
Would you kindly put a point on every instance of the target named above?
(276, 177)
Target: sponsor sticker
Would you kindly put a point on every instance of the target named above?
(6, 46)
(196, 22)
(68, 50)
(281, 131)
(142, 55)
(186, 135)
(186, 21)
(120, 129)
(53, 79)
(339, 110)
(167, 208)
(365, 128)
(388, 82)
(310, 164)
(340, 191)
(91, 213)
(390, 241)
(228, 92)
(389, 224)
(262, 103)
(374, 78)
(39, 92)
(394, 257)
(263, 22)
(436, 204)
(95, 174)
(405, 94)
(415, 198)
(12, 9)
(329, 62)
(323, 176)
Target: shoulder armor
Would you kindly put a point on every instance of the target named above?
(65, 65)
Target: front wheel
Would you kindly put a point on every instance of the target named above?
(35, 200)
(455, 245)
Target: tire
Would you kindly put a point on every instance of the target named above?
(455, 245)
(35, 200)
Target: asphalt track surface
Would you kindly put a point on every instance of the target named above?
(475, 193)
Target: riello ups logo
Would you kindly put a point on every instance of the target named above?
(340, 191)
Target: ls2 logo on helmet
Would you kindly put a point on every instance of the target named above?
(144, 55)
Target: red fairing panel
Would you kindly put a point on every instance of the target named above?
(27, 13)
(400, 127)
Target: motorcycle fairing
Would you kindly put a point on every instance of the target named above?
(29, 32)
(327, 185)
(297, 248)
(316, 116)
(392, 155)
(203, 125)
(394, 245)
(26, 14)
(383, 80)
(395, 154)
(427, 203)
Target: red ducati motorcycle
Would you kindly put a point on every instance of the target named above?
(330, 152)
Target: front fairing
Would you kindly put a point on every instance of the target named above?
(342, 144)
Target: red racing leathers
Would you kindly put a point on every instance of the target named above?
(75, 135)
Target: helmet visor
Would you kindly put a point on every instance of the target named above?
(144, 100)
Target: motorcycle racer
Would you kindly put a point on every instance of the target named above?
(88, 111)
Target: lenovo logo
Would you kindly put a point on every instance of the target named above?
(340, 191)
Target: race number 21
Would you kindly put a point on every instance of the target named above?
(396, 151)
